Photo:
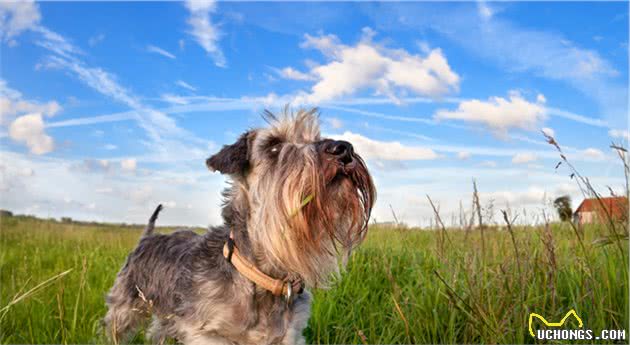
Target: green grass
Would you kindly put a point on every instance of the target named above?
(401, 286)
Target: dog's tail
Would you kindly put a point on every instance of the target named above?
(148, 231)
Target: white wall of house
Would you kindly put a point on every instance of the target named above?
(586, 217)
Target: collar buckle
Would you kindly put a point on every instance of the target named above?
(289, 295)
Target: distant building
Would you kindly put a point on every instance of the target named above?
(594, 210)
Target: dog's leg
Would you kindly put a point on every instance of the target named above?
(123, 317)
(301, 312)
(157, 331)
(120, 322)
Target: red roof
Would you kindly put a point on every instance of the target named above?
(615, 206)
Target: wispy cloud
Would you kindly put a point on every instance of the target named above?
(203, 30)
(174, 99)
(96, 39)
(293, 74)
(160, 51)
(383, 116)
(619, 134)
(165, 138)
(576, 117)
(185, 85)
(464, 155)
(92, 120)
(524, 157)
(594, 153)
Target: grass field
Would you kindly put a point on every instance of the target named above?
(401, 286)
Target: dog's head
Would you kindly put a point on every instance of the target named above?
(307, 199)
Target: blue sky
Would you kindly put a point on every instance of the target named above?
(109, 108)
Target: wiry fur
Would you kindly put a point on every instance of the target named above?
(196, 296)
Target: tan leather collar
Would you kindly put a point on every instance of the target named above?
(277, 287)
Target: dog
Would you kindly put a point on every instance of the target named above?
(296, 206)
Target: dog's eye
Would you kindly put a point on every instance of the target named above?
(274, 149)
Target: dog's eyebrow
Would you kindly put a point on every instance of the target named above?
(271, 141)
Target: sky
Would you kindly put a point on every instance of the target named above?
(109, 108)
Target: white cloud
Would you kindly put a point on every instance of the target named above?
(12, 103)
(524, 157)
(385, 150)
(334, 122)
(29, 130)
(593, 153)
(205, 33)
(169, 204)
(185, 85)
(534, 195)
(130, 198)
(104, 190)
(128, 164)
(104, 163)
(160, 51)
(485, 11)
(464, 155)
(93, 165)
(519, 49)
(372, 66)
(174, 99)
(94, 40)
(17, 16)
(293, 74)
(106, 166)
(424, 47)
(110, 147)
(549, 131)
(619, 134)
(10, 107)
(488, 164)
(498, 113)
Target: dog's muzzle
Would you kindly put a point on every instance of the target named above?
(341, 152)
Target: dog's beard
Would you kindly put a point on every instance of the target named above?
(310, 214)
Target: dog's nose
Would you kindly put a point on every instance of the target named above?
(342, 150)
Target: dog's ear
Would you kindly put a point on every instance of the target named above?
(232, 159)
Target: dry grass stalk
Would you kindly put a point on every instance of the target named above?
(397, 292)
(477, 205)
(550, 254)
(516, 253)
(18, 298)
(394, 214)
(443, 238)
(362, 336)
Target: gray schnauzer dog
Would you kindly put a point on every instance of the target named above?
(296, 206)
